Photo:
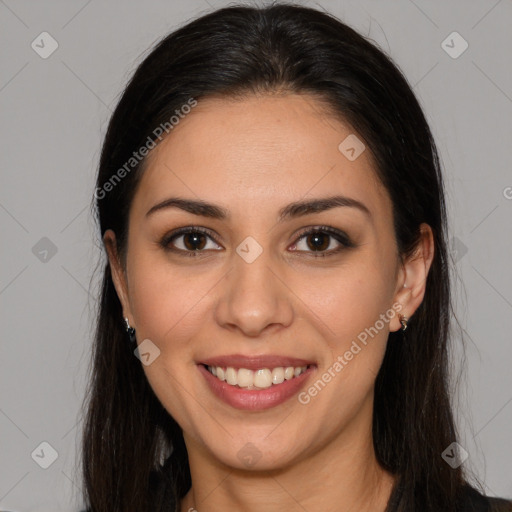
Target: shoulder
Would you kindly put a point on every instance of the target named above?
(473, 501)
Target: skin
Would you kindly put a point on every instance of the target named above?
(254, 156)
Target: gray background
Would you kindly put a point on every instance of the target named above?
(54, 115)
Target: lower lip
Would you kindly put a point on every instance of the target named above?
(255, 399)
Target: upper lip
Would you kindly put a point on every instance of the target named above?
(255, 362)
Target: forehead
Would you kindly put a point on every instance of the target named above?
(261, 151)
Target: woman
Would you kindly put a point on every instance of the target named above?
(273, 325)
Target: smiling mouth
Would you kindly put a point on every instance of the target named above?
(262, 378)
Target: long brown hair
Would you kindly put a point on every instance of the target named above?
(237, 51)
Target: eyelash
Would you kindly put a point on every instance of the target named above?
(341, 237)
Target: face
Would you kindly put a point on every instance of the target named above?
(258, 281)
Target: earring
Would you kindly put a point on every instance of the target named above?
(130, 330)
(403, 320)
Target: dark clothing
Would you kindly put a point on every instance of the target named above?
(472, 500)
(475, 502)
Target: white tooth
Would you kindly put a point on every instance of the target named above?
(221, 374)
(213, 370)
(288, 373)
(278, 375)
(297, 371)
(231, 376)
(263, 378)
(245, 378)
(303, 368)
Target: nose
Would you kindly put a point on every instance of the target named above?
(254, 297)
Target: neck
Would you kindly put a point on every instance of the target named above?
(343, 476)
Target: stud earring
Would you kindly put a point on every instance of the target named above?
(403, 321)
(130, 330)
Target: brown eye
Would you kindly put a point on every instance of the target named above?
(189, 241)
(322, 240)
(318, 241)
(194, 241)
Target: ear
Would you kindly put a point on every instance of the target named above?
(118, 273)
(412, 277)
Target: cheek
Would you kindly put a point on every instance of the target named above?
(350, 301)
(355, 342)
(355, 307)
(169, 310)
(167, 301)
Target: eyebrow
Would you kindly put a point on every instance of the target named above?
(292, 210)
